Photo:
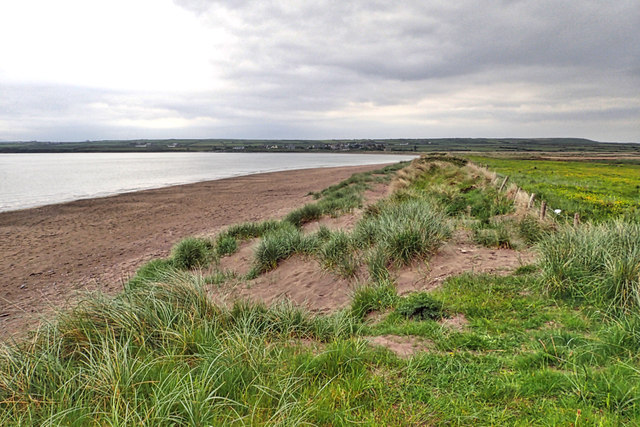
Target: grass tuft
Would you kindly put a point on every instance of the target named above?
(226, 245)
(154, 271)
(307, 213)
(597, 263)
(404, 231)
(336, 253)
(280, 244)
(193, 252)
(372, 297)
(251, 230)
(495, 234)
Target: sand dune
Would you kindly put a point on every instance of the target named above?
(47, 254)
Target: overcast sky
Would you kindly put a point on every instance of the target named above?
(102, 69)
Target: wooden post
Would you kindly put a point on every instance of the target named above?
(576, 219)
(543, 210)
(531, 199)
(469, 210)
(518, 190)
(506, 178)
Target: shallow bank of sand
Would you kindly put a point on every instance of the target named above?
(47, 254)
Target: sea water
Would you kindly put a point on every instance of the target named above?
(30, 180)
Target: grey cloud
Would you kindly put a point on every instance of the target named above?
(421, 40)
(322, 55)
(312, 69)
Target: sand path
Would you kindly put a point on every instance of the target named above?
(47, 254)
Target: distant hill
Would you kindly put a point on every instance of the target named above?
(264, 145)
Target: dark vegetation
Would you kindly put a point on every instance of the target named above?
(519, 145)
(421, 306)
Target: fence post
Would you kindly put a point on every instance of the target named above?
(531, 199)
(506, 178)
(576, 219)
(543, 210)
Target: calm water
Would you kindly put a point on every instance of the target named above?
(29, 180)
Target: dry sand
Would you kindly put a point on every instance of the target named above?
(48, 254)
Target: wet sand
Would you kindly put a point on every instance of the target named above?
(49, 254)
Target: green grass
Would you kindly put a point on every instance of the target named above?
(532, 230)
(595, 190)
(226, 245)
(494, 234)
(373, 297)
(522, 359)
(461, 192)
(307, 213)
(337, 253)
(164, 353)
(249, 230)
(156, 270)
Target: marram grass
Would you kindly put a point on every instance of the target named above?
(597, 263)
(164, 354)
(404, 231)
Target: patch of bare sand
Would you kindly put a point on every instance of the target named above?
(300, 280)
(456, 323)
(241, 261)
(403, 346)
(456, 257)
(344, 222)
(376, 193)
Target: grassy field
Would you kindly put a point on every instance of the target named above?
(555, 343)
(597, 190)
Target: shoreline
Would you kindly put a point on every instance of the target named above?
(50, 254)
(111, 184)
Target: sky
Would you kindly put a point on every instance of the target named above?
(74, 70)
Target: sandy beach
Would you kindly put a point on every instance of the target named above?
(49, 254)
